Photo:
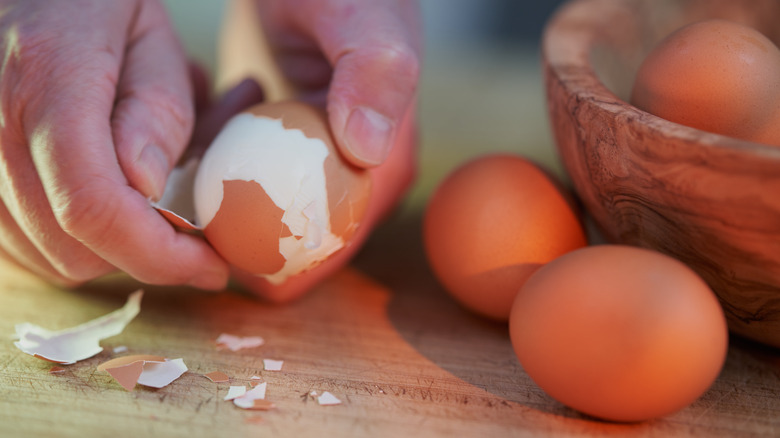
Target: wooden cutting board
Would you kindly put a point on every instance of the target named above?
(380, 335)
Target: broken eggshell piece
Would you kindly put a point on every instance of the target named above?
(76, 343)
(235, 343)
(142, 369)
(272, 194)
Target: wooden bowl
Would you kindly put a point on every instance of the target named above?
(708, 200)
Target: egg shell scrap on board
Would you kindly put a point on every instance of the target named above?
(217, 377)
(160, 374)
(235, 391)
(254, 399)
(144, 369)
(272, 194)
(272, 365)
(235, 343)
(80, 342)
(256, 404)
(328, 399)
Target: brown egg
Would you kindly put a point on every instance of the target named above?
(272, 193)
(717, 76)
(619, 332)
(490, 225)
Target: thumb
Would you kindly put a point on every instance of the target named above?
(154, 113)
(375, 53)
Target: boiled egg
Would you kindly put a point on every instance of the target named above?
(490, 224)
(272, 194)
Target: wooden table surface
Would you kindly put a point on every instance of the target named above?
(380, 335)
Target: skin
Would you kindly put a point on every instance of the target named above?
(98, 103)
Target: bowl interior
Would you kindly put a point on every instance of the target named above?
(637, 26)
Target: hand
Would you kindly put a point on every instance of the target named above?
(360, 59)
(95, 109)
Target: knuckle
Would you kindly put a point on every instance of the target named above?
(165, 103)
(76, 264)
(82, 212)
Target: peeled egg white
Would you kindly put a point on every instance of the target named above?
(272, 194)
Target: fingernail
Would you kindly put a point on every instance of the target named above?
(368, 135)
(210, 280)
(155, 166)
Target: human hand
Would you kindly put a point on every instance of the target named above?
(95, 109)
(361, 61)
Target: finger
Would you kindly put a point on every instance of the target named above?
(38, 64)
(34, 237)
(15, 246)
(375, 53)
(91, 200)
(154, 112)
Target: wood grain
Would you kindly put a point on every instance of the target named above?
(708, 200)
(381, 336)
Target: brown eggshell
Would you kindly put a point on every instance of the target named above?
(248, 209)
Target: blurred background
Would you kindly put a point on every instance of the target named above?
(481, 89)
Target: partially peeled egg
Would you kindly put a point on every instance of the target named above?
(272, 194)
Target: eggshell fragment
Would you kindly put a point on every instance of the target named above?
(273, 195)
(272, 365)
(77, 343)
(127, 375)
(147, 370)
(217, 377)
(328, 399)
(254, 399)
(235, 343)
(126, 360)
(177, 205)
(160, 374)
(235, 391)
(255, 404)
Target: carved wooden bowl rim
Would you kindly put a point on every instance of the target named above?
(573, 68)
